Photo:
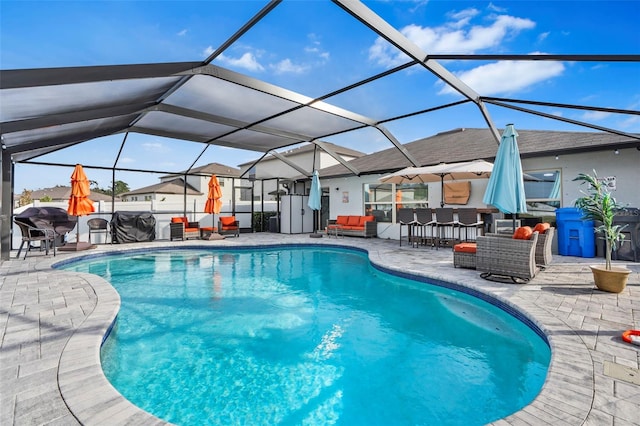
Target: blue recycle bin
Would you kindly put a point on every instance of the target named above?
(575, 235)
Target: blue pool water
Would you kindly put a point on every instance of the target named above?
(305, 335)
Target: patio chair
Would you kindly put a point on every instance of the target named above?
(545, 241)
(514, 258)
(467, 220)
(99, 226)
(228, 225)
(181, 228)
(46, 238)
(406, 218)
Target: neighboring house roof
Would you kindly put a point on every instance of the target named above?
(470, 144)
(175, 186)
(220, 170)
(340, 150)
(62, 193)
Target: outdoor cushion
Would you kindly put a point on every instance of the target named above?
(465, 248)
(364, 219)
(179, 220)
(542, 227)
(523, 233)
(227, 220)
(342, 220)
(353, 221)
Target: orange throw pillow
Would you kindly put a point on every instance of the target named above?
(541, 227)
(523, 233)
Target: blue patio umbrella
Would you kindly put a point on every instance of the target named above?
(315, 194)
(505, 189)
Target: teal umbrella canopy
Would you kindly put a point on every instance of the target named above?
(505, 189)
(316, 192)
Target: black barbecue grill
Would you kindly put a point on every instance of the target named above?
(630, 250)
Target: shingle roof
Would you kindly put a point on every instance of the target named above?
(175, 186)
(62, 193)
(470, 144)
(220, 170)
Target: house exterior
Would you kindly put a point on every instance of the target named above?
(60, 194)
(276, 175)
(551, 158)
(170, 191)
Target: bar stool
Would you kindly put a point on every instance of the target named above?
(425, 223)
(406, 218)
(445, 226)
(468, 219)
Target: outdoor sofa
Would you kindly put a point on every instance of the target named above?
(353, 226)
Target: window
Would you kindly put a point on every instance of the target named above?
(543, 190)
(382, 200)
(378, 201)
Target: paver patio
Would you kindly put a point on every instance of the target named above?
(53, 323)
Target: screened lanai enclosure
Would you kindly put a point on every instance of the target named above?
(204, 106)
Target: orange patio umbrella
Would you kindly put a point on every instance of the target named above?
(214, 200)
(79, 202)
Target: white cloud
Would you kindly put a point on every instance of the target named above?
(507, 76)
(495, 8)
(543, 36)
(247, 61)
(286, 66)
(126, 160)
(595, 115)
(455, 36)
(182, 33)
(154, 146)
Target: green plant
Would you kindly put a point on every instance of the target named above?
(599, 205)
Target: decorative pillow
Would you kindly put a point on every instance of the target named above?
(523, 233)
(353, 221)
(342, 220)
(541, 227)
(227, 220)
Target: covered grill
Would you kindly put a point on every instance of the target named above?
(53, 218)
(630, 250)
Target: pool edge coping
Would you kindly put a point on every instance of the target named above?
(560, 400)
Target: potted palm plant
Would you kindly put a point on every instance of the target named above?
(599, 205)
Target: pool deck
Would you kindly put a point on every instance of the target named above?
(53, 323)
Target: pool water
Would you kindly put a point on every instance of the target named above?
(305, 335)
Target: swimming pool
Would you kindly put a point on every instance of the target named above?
(308, 335)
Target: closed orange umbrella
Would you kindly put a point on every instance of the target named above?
(214, 204)
(79, 202)
(214, 200)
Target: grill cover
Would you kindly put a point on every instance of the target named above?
(132, 227)
(48, 218)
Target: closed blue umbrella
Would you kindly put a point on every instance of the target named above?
(505, 189)
(316, 192)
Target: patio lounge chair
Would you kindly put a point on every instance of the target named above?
(507, 257)
(228, 225)
(181, 228)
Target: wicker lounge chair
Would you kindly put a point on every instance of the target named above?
(181, 228)
(228, 225)
(507, 257)
(543, 248)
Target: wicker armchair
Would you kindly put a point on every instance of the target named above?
(543, 248)
(507, 257)
(181, 228)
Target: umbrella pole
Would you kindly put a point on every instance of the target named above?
(442, 191)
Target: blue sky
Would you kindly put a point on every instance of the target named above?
(314, 47)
